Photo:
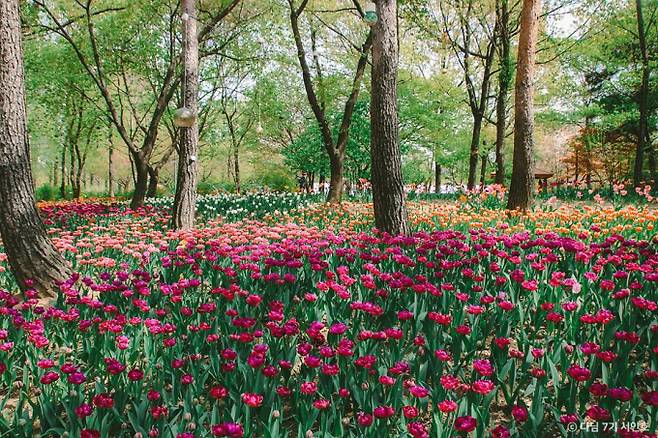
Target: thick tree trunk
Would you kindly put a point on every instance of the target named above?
(387, 184)
(141, 176)
(483, 171)
(437, 178)
(336, 180)
(184, 208)
(643, 139)
(504, 84)
(154, 179)
(521, 188)
(33, 259)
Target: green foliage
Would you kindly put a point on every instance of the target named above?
(276, 178)
(46, 192)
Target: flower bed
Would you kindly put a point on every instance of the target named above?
(257, 329)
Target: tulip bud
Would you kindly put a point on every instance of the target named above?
(309, 434)
(276, 414)
(187, 416)
(191, 426)
(364, 386)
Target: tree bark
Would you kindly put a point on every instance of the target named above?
(236, 163)
(73, 180)
(110, 163)
(336, 179)
(504, 84)
(154, 169)
(141, 174)
(483, 170)
(55, 182)
(387, 185)
(184, 208)
(437, 177)
(522, 185)
(33, 259)
(154, 179)
(643, 139)
(62, 187)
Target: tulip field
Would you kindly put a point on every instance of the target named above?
(290, 318)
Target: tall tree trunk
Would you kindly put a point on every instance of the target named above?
(437, 177)
(62, 187)
(110, 163)
(236, 163)
(184, 208)
(33, 259)
(475, 150)
(55, 181)
(504, 84)
(483, 170)
(643, 139)
(79, 175)
(73, 181)
(522, 186)
(588, 151)
(387, 184)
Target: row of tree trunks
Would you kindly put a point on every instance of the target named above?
(33, 259)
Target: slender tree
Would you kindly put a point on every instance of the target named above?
(474, 46)
(335, 149)
(643, 138)
(33, 259)
(506, 68)
(522, 185)
(387, 184)
(110, 161)
(185, 199)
